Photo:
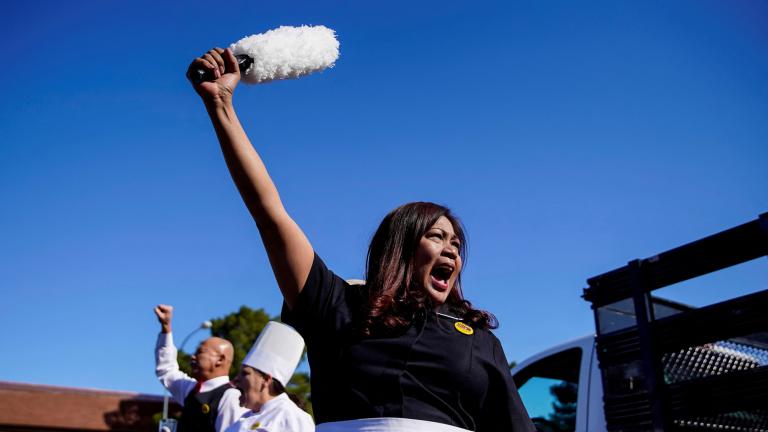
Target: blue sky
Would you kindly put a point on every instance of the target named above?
(570, 137)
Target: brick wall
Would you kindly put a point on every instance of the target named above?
(29, 407)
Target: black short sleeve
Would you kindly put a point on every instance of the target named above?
(321, 308)
(503, 408)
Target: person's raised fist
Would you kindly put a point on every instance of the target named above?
(164, 315)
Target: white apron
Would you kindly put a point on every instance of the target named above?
(387, 424)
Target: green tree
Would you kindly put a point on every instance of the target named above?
(242, 328)
(563, 416)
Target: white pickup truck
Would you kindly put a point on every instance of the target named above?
(657, 365)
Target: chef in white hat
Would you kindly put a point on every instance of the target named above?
(263, 375)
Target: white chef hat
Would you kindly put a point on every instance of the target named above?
(276, 352)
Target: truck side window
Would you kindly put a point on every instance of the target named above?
(549, 389)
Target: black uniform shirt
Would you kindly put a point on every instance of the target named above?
(432, 372)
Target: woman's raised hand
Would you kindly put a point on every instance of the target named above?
(224, 66)
(289, 251)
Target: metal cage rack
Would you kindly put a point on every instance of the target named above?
(667, 367)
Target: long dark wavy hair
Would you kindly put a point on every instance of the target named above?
(393, 298)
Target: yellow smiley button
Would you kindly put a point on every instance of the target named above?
(205, 408)
(463, 328)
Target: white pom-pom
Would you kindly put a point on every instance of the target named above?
(287, 52)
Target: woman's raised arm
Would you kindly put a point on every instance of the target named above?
(289, 250)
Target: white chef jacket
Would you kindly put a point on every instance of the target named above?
(180, 384)
(279, 414)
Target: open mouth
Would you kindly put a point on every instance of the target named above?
(440, 276)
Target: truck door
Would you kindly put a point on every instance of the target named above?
(549, 385)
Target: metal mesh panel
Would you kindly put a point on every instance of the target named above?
(711, 359)
(714, 359)
(742, 421)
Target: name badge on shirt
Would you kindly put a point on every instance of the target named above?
(255, 425)
(463, 328)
